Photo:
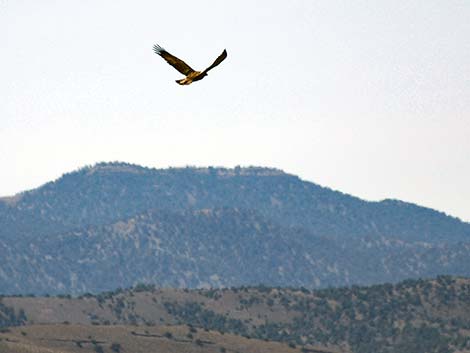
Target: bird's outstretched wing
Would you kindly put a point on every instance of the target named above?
(178, 64)
(217, 61)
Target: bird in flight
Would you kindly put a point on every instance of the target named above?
(185, 69)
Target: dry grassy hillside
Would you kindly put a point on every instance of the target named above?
(131, 339)
(411, 316)
(151, 307)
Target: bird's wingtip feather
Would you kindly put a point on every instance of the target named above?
(157, 49)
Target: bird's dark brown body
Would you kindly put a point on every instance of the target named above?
(193, 76)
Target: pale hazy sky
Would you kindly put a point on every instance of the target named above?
(371, 98)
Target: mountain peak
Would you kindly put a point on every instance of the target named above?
(123, 167)
(115, 167)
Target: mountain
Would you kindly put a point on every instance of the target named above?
(410, 316)
(115, 224)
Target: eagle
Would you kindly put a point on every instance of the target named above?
(185, 69)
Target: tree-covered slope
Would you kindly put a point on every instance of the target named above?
(411, 316)
(114, 225)
(112, 191)
(213, 247)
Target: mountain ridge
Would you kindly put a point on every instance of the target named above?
(153, 180)
(117, 167)
(307, 235)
